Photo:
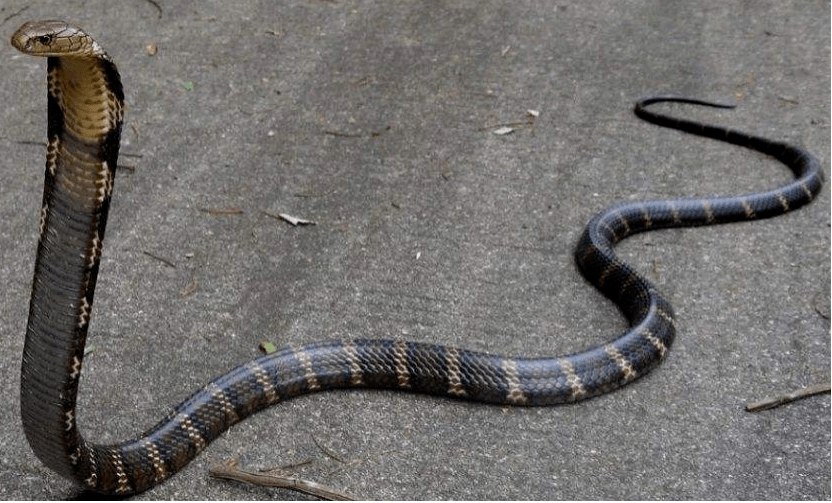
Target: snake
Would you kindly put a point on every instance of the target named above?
(85, 105)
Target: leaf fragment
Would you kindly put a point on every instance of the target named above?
(295, 220)
(267, 347)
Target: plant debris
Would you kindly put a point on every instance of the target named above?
(295, 221)
(267, 347)
(229, 470)
(776, 401)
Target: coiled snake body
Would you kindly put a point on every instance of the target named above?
(85, 103)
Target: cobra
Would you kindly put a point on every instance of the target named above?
(85, 108)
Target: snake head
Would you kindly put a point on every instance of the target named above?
(55, 39)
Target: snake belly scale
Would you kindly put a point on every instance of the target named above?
(85, 108)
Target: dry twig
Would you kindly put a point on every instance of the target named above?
(157, 6)
(776, 401)
(160, 259)
(13, 14)
(328, 451)
(222, 211)
(229, 471)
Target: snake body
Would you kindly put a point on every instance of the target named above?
(85, 103)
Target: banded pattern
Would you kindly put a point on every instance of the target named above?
(85, 113)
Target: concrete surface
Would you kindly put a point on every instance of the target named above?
(375, 119)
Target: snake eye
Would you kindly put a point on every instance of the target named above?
(45, 39)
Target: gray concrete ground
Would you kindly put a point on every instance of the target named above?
(376, 119)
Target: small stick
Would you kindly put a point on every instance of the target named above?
(343, 135)
(230, 471)
(158, 7)
(13, 14)
(222, 211)
(327, 451)
(776, 401)
(160, 259)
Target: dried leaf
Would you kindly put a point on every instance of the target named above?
(191, 288)
(295, 220)
(267, 347)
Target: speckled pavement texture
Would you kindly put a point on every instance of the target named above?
(376, 120)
